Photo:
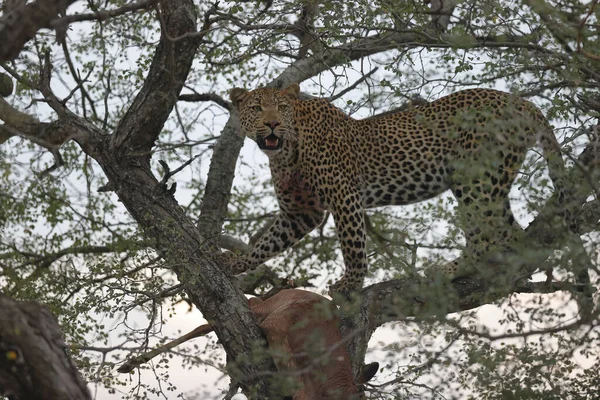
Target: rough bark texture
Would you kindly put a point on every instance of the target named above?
(34, 363)
(220, 180)
(20, 22)
(181, 245)
(125, 160)
(172, 61)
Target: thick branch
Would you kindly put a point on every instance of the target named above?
(48, 135)
(144, 119)
(220, 180)
(103, 15)
(364, 47)
(165, 224)
(177, 240)
(6, 85)
(233, 244)
(20, 22)
(33, 361)
(15, 118)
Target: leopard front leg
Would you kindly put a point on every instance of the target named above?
(350, 225)
(285, 231)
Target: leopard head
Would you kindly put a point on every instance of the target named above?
(267, 115)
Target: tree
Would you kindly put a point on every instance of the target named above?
(128, 99)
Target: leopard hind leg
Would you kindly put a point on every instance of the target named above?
(485, 216)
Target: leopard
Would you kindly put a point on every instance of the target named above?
(472, 142)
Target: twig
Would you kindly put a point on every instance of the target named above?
(44, 87)
(135, 362)
(169, 173)
(102, 15)
(80, 83)
(580, 32)
(207, 97)
(353, 86)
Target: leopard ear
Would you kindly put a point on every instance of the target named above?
(292, 91)
(237, 95)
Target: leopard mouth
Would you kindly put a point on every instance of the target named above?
(271, 142)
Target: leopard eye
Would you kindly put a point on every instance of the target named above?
(283, 106)
(257, 108)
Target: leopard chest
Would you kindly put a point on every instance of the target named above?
(295, 190)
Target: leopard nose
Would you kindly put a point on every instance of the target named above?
(272, 124)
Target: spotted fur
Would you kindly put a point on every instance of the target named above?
(472, 142)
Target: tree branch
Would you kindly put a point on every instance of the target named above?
(46, 260)
(140, 126)
(207, 97)
(20, 22)
(308, 67)
(33, 362)
(17, 119)
(353, 86)
(174, 236)
(219, 181)
(135, 362)
(234, 245)
(48, 135)
(102, 15)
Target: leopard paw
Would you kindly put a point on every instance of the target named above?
(449, 271)
(230, 262)
(343, 289)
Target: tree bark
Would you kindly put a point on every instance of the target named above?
(20, 22)
(34, 362)
(125, 157)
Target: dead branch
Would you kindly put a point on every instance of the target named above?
(135, 362)
(207, 97)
